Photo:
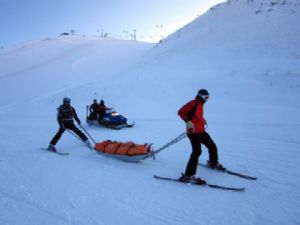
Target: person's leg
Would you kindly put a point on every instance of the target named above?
(93, 116)
(100, 116)
(90, 117)
(191, 167)
(78, 132)
(57, 136)
(211, 146)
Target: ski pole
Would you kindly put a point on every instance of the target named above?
(87, 133)
(78, 138)
(73, 134)
(175, 140)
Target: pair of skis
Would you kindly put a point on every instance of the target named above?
(224, 170)
(191, 181)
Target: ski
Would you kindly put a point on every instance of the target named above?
(230, 172)
(195, 183)
(59, 153)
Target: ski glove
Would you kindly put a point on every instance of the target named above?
(205, 124)
(190, 128)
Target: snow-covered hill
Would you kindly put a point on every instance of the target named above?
(242, 50)
(57, 64)
(246, 53)
(241, 29)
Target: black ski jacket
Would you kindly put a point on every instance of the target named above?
(66, 114)
(94, 107)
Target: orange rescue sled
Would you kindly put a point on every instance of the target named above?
(126, 151)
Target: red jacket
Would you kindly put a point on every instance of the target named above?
(198, 119)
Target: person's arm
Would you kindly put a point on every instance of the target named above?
(185, 114)
(75, 116)
(59, 119)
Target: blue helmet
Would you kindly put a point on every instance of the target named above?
(67, 100)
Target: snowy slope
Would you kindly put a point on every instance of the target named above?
(67, 62)
(243, 50)
(245, 53)
(241, 28)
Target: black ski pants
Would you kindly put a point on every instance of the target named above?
(71, 126)
(100, 117)
(196, 140)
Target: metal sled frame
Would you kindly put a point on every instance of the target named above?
(127, 158)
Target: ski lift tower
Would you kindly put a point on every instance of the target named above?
(134, 35)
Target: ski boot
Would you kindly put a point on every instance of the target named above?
(217, 166)
(193, 179)
(51, 148)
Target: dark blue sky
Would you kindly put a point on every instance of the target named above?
(23, 20)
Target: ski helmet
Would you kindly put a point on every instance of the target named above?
(203, 93)
(67, 100)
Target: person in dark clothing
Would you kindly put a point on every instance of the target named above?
(101, 110)
(94, 110)
(192, 114)
(66, 114)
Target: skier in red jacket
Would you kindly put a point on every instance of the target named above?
(192, 114)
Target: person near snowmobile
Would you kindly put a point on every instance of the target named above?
(66, 114)
(101, 110)
(94, 110)
(192, 114)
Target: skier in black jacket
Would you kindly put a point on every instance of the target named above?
(66, 114)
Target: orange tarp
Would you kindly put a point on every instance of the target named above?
(122, 148)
